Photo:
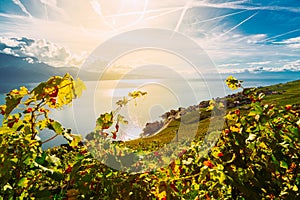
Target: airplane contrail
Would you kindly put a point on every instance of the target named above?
(219, 17)
(97, 8)
(239, 24)
(165, 13)
(141, 12)
(277, 36)
(185, 9)
(23, 8)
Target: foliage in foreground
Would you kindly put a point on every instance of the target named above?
(256, 156)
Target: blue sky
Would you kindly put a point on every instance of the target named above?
(252, 35)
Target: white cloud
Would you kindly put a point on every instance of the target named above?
(87, 29)
(259, 63)
(52, 8)
(293, 66)
(256, 38)
(9, 42)
(9, 51)
(229, 65)
(29, 60)
(293, 43)
(44, 51)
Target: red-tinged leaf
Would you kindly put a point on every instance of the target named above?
(114, 135)
(220, 154)
(28, 110)
(2, 109)
(54, 92)
(69, 169)
(173, 186)
(208, 163)
(117, 127)
(288, 107)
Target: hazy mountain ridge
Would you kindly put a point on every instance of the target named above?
(15, 71)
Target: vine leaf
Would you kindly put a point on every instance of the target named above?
(79, 87)
(105, 121)
(76, 140)
(233, 83)
(23, 182)
(56, 127)
(13, 99)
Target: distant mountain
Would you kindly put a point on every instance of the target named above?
(15, 71)
(280, 75)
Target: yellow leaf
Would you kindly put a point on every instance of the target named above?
(233, 83)
(295, 188)
(75, 141)
(65, 93)
(234, 129)
(211, 106)
(162, 195)
(23, 91)
(79, 87)
(232, 117)
(136, 94)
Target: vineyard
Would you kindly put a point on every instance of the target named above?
(256, 154)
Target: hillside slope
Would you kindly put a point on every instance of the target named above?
(279, 94)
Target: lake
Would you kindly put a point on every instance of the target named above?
(163, 95)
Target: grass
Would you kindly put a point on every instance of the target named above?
(290, 93)
(287, 93)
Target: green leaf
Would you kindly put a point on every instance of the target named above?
(23, 182)
(105, 121)
(56, 127)
(248, 91)
(284, 164)
(57, 176)
(42, 194)
(38, 92)
(11, 103)
(41, 160)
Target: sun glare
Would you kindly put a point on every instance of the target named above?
(121, 14)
